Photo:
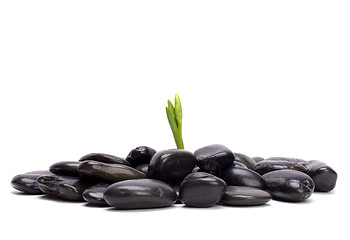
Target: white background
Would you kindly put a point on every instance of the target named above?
(264, 78)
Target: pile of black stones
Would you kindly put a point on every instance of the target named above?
(149, 179)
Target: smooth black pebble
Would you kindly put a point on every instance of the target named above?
(140, 193)
(289, 185)
(94, 194)
(104, 158)
(69, 168)
(140, 155)
(280, 163)
(238, 176)
(108, 172)
(201, 189)
(171, 165)
(64, 187)
(27, 182)
(244, 196)
(245, 160)
(323, 175)
(214, 158)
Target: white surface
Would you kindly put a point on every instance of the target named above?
(264, 78)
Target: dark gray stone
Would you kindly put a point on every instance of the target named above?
(244, 196)
(94, 194)
(280, 163)
(140, 193)
(238, 176)
(104, 158)
(323, 175)
(140, 155)
(142, 168)
(171, 165)
(69, 168)
(289, 185)
(214, 158)
(245, 160)
(108, 172)
(201, 189)
(27, 182)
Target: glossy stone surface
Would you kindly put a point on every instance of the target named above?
(214, 158)
(104, 158)
(171, 165)
(323, 175)
(140, 193)
(244, 196)
(289, 185)
(280, 163)
(245, 160)
(108, 172)
(27, 182)
(64, 187)
(238, 176)
(94, 194)
(140, 155)
(258, 159)
(201, 189)
(69, 168)
(142, 168)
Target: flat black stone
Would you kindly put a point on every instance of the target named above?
(140, 155)
(214, 158)
(171, 165)
(104, 158)
(27, 182)
(69, 168)
(244, 196)
(201, 189)
(323, 175)
(94, 194)
(245, 160)
(64, 187)
(238, 176)
(140, 193)
(108, 172)
(280, 163)
(289, 185)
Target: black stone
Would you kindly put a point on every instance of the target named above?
(238, 176)
(258, 159)
(245, 160)
(142, 168)
(244, 196)
(69, 168)
(108, 172)
(280, 163)
(140, 193)
(214, 158)
(27, 182)
(171, 165)
(94, 194)
(140, 155)
(323, 175)
(289, 185)
(64, 187)
(104, 158)
(201, 189)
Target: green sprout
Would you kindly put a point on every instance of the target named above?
(175, 120)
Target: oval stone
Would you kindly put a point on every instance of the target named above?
(289, 185)
(69, 168)
(323, 175)
(142, 168)
(244, 196)
(140, 193)
(238, 176)
(63, 187)
(245, 160)
(27, 182)
(258, 159)
(104, 158)
(94, 194)
(108, 172)
(280, 163)
(171, 165)
(201, 189)
(140, 155)
(214, 158)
